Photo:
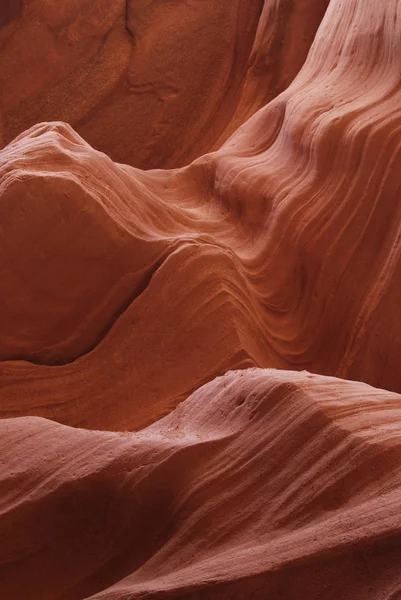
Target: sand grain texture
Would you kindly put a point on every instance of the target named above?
(261, 482)
(200, 244)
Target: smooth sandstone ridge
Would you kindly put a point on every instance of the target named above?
(263, 484)
(162, 434)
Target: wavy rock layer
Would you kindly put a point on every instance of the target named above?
(261, 484)
(279, 250)
(125, 291)
(151, 83)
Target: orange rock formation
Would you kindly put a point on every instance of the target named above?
(128, 294)
(152, 83)
(263, 484)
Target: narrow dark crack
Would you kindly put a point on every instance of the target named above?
(127, 26)
(137, 292)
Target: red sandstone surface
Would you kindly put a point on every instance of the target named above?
(200, 327)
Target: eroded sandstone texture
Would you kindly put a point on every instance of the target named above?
(200, 394)
(152, 83)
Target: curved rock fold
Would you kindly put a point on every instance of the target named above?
(200, 234)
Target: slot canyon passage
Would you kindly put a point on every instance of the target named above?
(200, 326)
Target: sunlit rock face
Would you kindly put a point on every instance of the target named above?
(200, 393)
(262, 483)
